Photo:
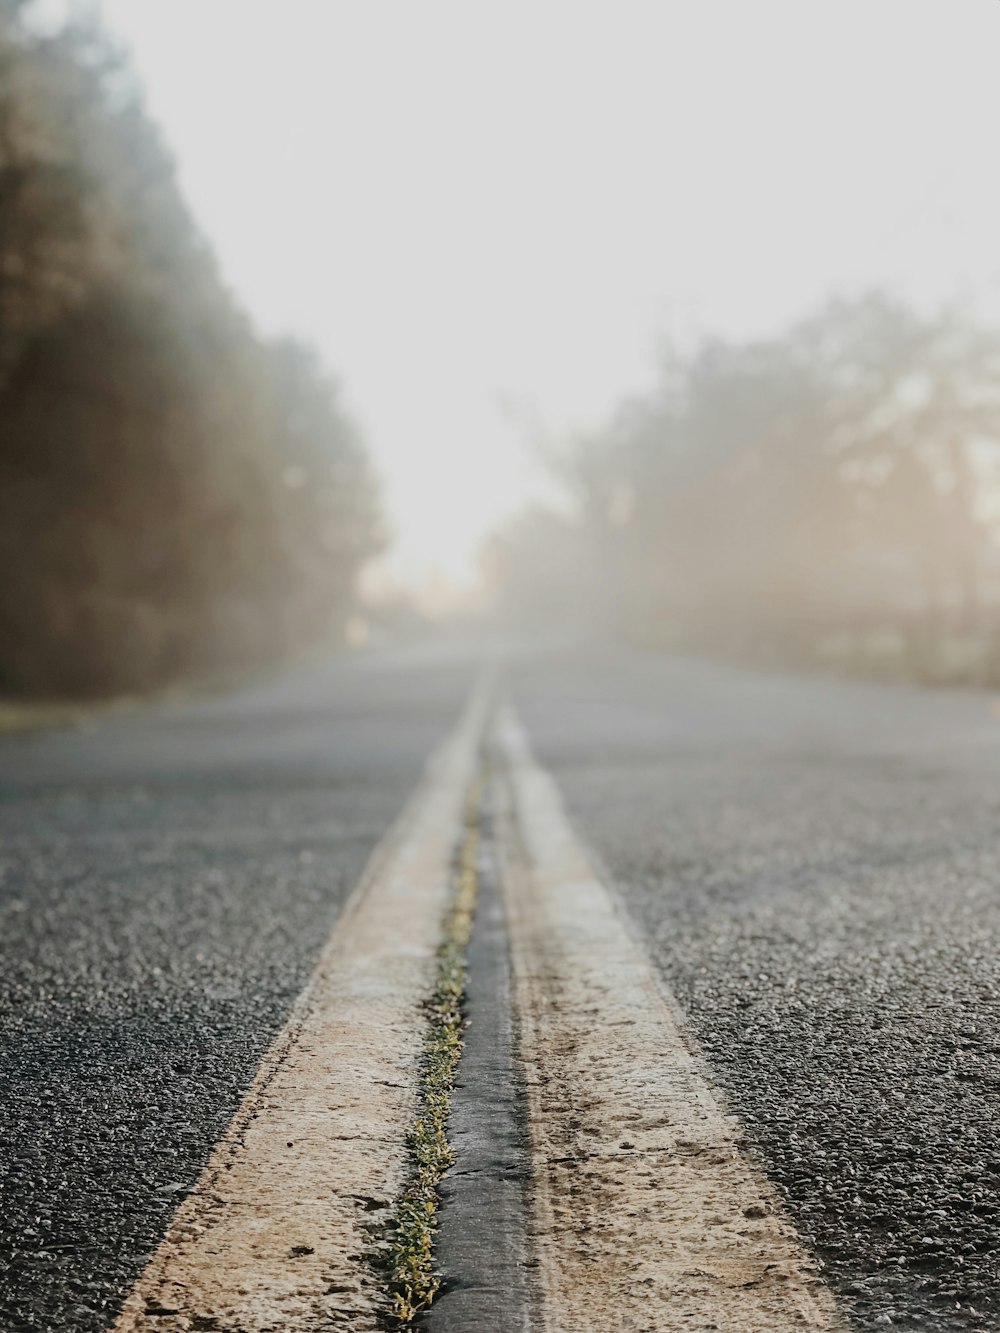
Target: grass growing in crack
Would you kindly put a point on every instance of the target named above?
(413, 1281)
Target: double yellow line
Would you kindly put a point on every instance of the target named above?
(645, 1211)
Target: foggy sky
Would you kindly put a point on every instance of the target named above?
(465, 205)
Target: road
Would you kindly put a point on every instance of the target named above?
(815, 866)
(168, 881)
(807, 869)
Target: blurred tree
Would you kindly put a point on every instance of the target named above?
(840, 478)
(175, 495)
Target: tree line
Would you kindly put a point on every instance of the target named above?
(177, 495)
(826, 495)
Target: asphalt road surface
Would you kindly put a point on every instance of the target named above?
(167, 883)
(813, 866)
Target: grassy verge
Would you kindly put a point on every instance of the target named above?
(413, 1279)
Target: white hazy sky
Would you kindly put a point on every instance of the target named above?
(465, 203)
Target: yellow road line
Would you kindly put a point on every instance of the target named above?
(648, 1217)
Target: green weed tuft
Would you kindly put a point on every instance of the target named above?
(413, 1279)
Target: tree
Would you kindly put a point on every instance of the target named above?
(175, 494)
(835, 479)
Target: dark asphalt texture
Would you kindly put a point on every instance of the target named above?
(815, 865)
(166, 881)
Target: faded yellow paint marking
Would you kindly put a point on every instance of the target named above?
(648, 1216)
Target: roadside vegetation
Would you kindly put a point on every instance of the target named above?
(830, 495)
(177, 495)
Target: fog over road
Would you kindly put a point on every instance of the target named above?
(811, 865)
